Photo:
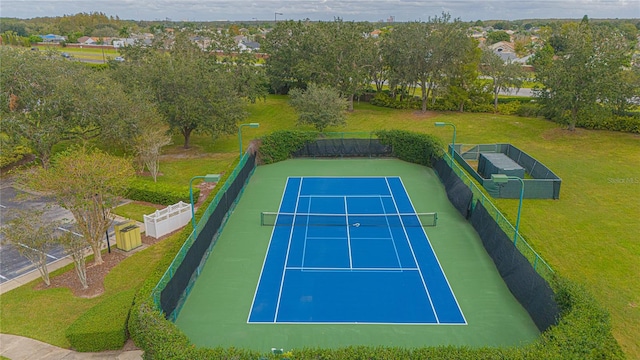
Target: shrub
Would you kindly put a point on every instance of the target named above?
(411, 146)
(384, 100)
(104, 326)
(280, 145)
(509, 108)
(479, 108)
(158, 193)
(509, 99)
(583, 330)
(530, 109)
(611, 122)
(13, 155)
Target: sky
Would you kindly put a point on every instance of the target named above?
(356, 10)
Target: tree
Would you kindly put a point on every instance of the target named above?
(290, 48)
(427, 54)
(503, 75)
(250, 80)
(88, 184)
(148, 146)
(192, 92)
(497, 36)
(46, 100)
(32, 236)
(37, 105)
(342, 57)
(583, 76)
(319, 106)
(76, 247)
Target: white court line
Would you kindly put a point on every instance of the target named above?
(343, 238)
(4, 278)
(306, 233)
(393, 241)
(415, 259)
(286, 259)
(340, 196)
(264, 261)
(436, 257)
(346, 215)
(351, 269)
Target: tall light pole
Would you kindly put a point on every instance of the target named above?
(251, 125)
(275, 17)
(453, 142)
(207, 178)
(502, 179)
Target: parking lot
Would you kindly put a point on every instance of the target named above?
(12, 264)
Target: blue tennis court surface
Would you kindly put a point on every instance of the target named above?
(351, 250)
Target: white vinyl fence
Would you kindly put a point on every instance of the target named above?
(167, 220)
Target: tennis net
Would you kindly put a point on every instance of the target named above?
(356, 220)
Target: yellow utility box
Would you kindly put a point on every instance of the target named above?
(128, 236)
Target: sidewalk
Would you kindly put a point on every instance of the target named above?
(22, 348)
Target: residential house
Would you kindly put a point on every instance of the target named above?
(86, 40)
(249, 46)
(53, 38)
(503, 46)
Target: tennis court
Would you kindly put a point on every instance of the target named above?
(376, 298)
(351, 250)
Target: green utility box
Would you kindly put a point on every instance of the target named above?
(128, 236)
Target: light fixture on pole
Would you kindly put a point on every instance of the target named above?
(207, 178)
(453, 142)
(275, 17)
(503, 179)
(251, 125)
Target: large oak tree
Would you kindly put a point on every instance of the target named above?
(584, 74)
(193, 92)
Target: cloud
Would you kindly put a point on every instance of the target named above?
(369, 10)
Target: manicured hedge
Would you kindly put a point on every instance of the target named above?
(280, 145)
(158, 193)
(583, 332)
(614, 123)
(410, 146)
(103, 327)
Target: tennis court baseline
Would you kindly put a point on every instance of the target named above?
(351, 250)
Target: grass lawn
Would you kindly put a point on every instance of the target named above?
(92, 54)
(134, 211)
(589, 235)
(46, 314)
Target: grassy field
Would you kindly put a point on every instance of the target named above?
(87, 54)
(590, 235)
